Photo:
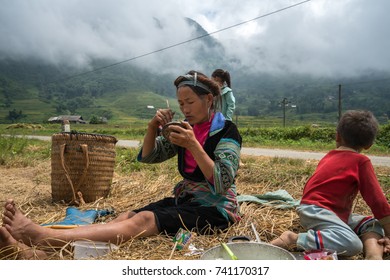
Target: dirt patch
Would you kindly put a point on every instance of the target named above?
(26, 183)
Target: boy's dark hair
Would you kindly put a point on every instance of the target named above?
(358, 128)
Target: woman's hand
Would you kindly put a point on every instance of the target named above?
(162, 117)
(182, 136)
(185, 137)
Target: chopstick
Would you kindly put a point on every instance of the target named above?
(256, 233)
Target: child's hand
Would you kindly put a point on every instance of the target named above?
(385, 242)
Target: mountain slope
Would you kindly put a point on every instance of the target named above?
(32, 90)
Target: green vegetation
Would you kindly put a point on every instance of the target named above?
(17, 151)
(307, 138)
(304, 137)
(32, 92)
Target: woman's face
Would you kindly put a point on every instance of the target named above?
(194, 108)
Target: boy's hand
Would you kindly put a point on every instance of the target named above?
(385, 242)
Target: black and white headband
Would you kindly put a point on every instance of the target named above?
(192, 80)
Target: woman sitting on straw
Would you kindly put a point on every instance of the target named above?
(208, 150)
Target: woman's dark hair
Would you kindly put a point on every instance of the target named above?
(200, 84)
(358, 129)
(223, 75)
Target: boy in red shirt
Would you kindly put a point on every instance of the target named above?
(326, 205)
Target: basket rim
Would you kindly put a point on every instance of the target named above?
(74, 135)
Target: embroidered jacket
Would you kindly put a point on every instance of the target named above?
(223, 146)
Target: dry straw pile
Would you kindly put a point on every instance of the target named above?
(30, 188)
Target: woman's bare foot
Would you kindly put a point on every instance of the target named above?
(8, 245)
(12, 249)
(287, 240)
(20, 227)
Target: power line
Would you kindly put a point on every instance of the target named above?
(185, 42)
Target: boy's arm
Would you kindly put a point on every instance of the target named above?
(385, 223)
(385, 241)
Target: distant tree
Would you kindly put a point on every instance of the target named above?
(94, 120)
(7, 103)
(108, 114)
(14, 116)
(97, 120)
(60, 108)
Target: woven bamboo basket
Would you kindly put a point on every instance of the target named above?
(82, 166)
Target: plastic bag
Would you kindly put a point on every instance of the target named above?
(320, 255)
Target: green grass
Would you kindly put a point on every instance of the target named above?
(16, 151)
(274, 121)
(36, 110)
(304, 137)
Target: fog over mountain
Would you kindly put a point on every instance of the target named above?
(320, 37)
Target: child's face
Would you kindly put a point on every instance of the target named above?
(218, 80)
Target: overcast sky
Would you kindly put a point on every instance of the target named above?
(324, 37)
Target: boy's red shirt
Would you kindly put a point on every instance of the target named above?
(338, 178)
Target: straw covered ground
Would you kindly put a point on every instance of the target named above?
(135, 185)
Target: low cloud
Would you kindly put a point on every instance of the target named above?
(321, 37)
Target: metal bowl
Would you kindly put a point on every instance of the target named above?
(166, 129)
(248, 251)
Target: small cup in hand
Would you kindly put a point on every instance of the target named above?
(167, 128)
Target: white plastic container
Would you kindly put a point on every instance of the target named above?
(91, 249)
